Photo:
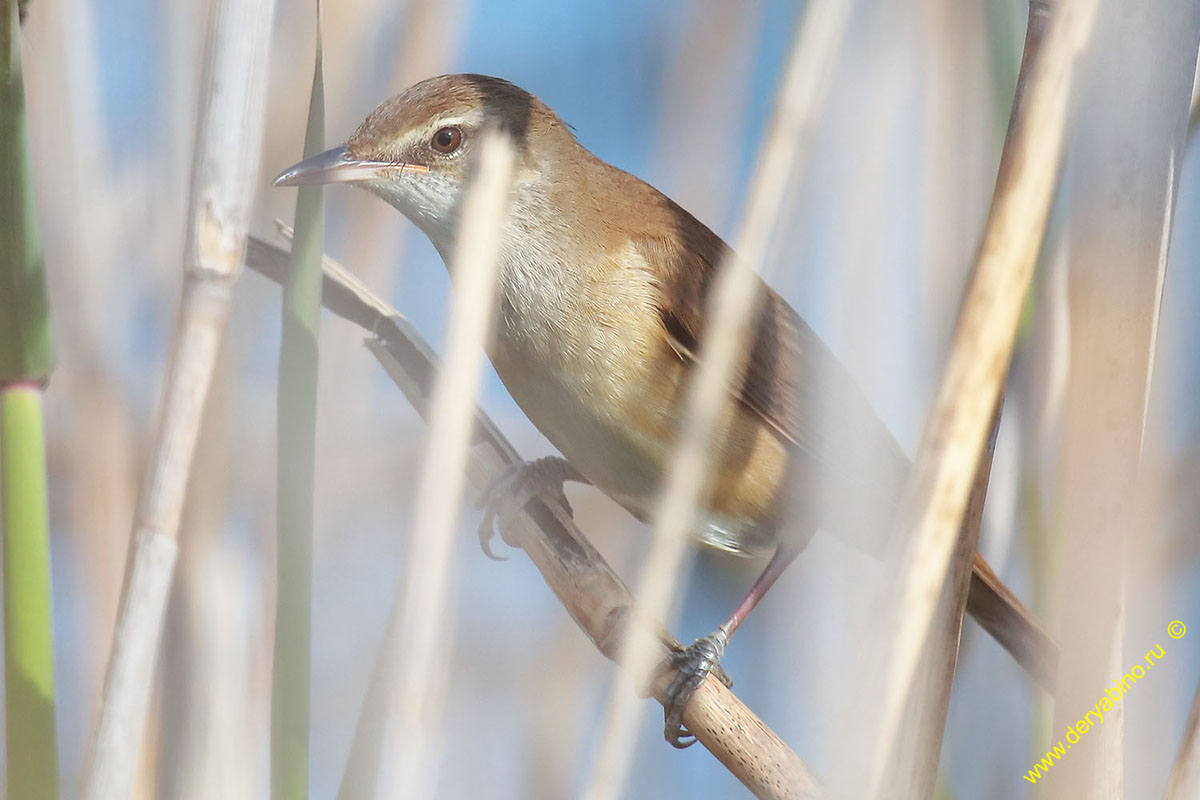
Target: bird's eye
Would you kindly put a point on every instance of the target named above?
(446, 140)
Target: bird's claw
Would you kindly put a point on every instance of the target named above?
(514, 488)
(692, 664)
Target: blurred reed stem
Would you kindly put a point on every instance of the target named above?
(1004, 19)
(224, 170)
(430, 36)
(296, 466)
(421, 628)
(1038, 390)
(26, 361)
(1120, 197)
(726, 339)
(971, 385)
(913, 768)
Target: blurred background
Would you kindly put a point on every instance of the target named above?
(881, 230)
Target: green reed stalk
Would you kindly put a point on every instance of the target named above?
(296, 468)
(26, 361)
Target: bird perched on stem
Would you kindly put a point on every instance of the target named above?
(603, 289)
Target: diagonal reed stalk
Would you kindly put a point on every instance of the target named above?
(26, 361)
(957, 431)
(422, 622)
(588, 588)
(224, 171)
(725, 342)
(913, 768)
(296, 467)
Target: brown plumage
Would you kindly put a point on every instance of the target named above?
(604, 283)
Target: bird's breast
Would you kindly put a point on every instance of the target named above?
(582, 350)
(577, 350)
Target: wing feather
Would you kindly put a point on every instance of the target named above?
(790, 379)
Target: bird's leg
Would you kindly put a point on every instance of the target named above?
(695, 662)
(515, 487)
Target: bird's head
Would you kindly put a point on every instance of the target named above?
(417, 151)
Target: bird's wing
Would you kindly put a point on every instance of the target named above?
(801, 391)
(790, 379)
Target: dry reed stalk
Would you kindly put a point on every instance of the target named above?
(702, 108)
(225, 168)
(430, 38)
(221, 759)
(914, 765)
(584, 583)
(422, 619)
(100, 460)
(107, 203)
(209, 645)
(209, 750)
(725, 341)
(951, 214)
(1039, 393)
(375, 240)
(957, 158)
(1120, 193)
(81, 178)
(954, 440)
(184, 25)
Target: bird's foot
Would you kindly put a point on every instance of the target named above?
(693, 664)
(514, 488)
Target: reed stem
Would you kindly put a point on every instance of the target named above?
(296, 470)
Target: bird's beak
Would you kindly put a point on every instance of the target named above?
(338, 166)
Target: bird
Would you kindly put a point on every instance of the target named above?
(603, 285)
